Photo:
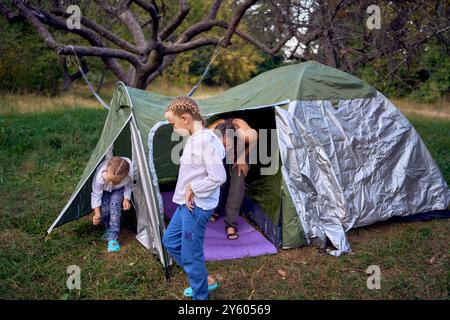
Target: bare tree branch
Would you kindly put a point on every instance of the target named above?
(32, 17)
(183, 11)
(124, 14)
(178, 48)
(147, 57)
(70, 78)
(101, 31)
(214, 9)
(236, 19)
(168, 59)
(245, 36)
(151, 8)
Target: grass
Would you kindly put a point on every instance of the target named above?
(440, 109)
(80, 95)
(43, 151)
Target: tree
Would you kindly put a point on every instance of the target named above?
(335, 32)
(42, 75)
(237, 63)
(138, 39)
(155, 42)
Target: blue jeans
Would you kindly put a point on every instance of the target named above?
(184, 239)
(111, 211)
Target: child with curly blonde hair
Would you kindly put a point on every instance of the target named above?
(197, 193)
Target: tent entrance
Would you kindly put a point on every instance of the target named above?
(261, 205)
(79, 203)
(267, 204)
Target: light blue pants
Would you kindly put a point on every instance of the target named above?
(184, 239)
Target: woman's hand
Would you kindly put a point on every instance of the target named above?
(126, 204)
(189, 197)
(242, 167)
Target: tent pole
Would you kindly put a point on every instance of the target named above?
(167, 273)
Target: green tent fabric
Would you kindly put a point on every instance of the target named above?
(287, 96)
(79, 202)
(304, 81)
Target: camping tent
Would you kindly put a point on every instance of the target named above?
(349, 158)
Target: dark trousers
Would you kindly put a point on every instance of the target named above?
(231, 195)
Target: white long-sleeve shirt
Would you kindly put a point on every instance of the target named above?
(99, 184)
(201, 165)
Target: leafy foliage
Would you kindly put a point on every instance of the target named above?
(26, 64)
(425, 77)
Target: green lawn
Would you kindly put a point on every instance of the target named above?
(42, 155)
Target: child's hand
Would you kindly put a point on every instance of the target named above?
(96, 219)
(126, 204)
(189, 197)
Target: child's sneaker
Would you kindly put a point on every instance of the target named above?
(188, 291)
(113, 246)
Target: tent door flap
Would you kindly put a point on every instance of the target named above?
(311, 182)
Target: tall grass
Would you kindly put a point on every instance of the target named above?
(80, 96)
(440, 109)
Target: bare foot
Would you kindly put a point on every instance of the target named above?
(232, 233)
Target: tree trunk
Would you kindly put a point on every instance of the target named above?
(100, 84)
(70, 78)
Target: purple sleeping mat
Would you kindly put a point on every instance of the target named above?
(251, 242)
